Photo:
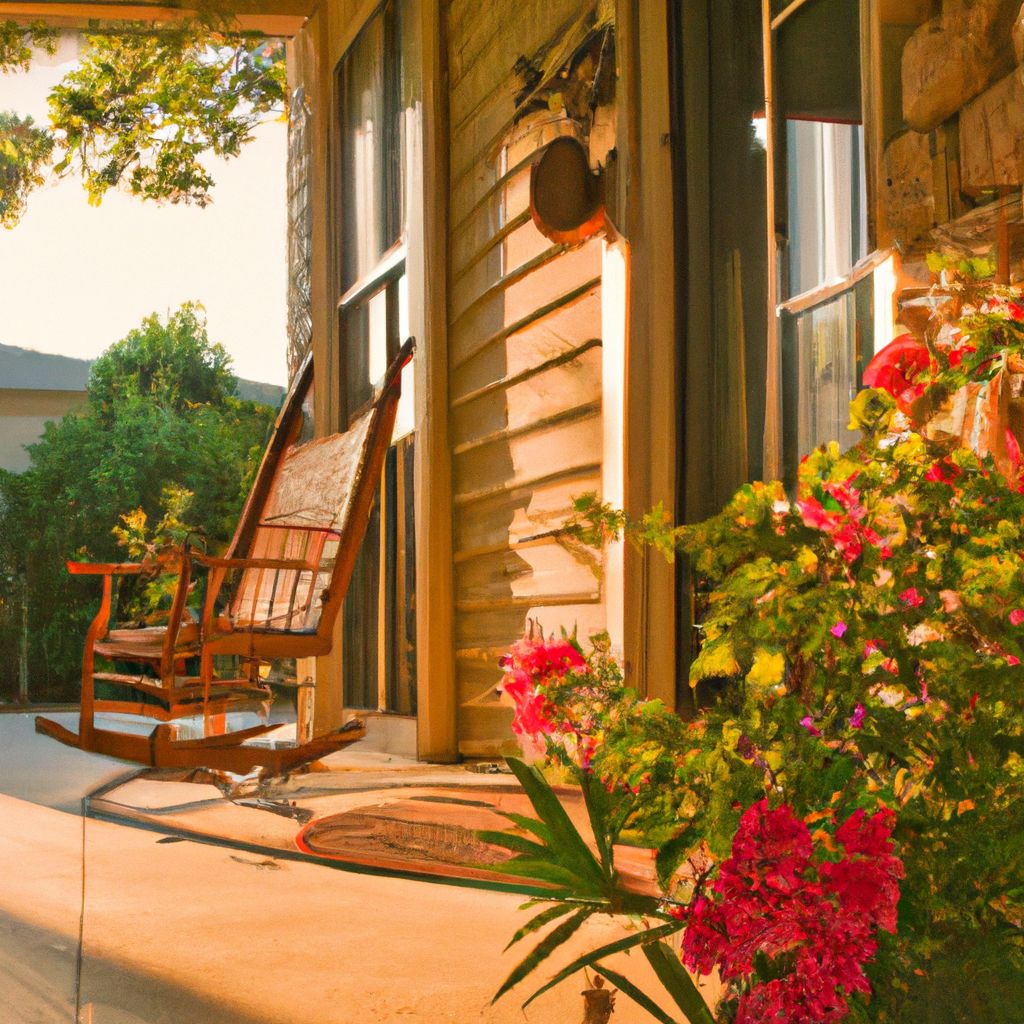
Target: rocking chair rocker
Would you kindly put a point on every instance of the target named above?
(284, 576)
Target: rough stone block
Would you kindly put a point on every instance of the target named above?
(1018, 36)
(992, 136)
(953, 57)
(907, 199)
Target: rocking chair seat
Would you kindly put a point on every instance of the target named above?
(146, 644)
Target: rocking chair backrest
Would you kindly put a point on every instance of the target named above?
(316, 503)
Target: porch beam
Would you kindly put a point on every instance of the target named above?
(437, 724)
(273, 17)
(651, 371)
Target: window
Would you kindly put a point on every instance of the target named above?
(378, 646)
(822, 168)
(819, 205)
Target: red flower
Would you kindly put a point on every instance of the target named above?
(818, 919)
(911, 598)
(956, 355)
(897, 368)
(944, 471)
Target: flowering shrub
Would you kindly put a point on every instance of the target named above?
(772, 899)
(841, 829)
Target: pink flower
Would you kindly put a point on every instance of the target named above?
(1012, 659)
(838, 630)
(808, 723)
(814, 516)
(911, 598)
(872, 647)
(856, 720)
(1016, 617)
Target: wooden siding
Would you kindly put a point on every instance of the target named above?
(524, 325)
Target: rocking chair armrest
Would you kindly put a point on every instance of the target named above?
(107, 568)
(252, 563)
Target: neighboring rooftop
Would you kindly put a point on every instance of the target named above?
(25, 369)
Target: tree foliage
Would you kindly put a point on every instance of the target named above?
(143, 109)
(173, 363)
(17, 42)
(144, 106)
(161, 414)
(25, 149)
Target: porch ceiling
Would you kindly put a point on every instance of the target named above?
(275, 17)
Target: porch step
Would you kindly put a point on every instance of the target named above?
(388, 733)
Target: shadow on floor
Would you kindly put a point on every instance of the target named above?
(37, 976)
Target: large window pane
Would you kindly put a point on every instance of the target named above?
(371, 150)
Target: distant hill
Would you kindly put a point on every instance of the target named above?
(267, 394)
(25, 369)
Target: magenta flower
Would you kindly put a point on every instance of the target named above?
(838, 629)
(808, 723)
(856, 720)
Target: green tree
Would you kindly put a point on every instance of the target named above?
(161, 413)
(25, 149)
(17, 41)
(144, 107)
(172, 363)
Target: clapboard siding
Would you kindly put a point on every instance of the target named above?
(524, 358)
(561, 389)
(482, 100)
(539, 339)
(512, 518)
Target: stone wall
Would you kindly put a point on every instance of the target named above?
(962, 81)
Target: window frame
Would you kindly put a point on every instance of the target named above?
(392, 624)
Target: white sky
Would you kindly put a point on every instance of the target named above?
(76, 278)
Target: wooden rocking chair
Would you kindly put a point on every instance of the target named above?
(276, 593)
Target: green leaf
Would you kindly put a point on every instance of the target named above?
(610, 949)
(669, 857)
(518, 844)
(543, 950)
(543, 918)
(678, 983)
(565, 839)
(538, 828)
(541, 871)
(599, 806)
(640, 998)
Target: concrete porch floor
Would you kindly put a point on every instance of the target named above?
(240, 927)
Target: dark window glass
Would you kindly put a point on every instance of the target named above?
(369, 79)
